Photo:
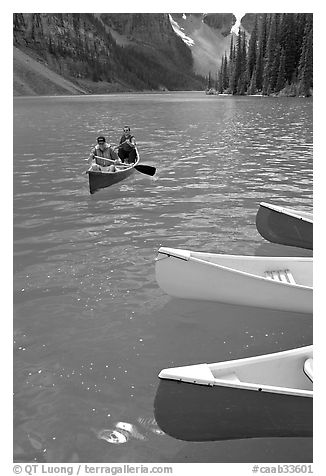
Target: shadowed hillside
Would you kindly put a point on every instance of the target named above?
(101, 53)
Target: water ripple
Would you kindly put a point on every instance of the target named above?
(92, 328)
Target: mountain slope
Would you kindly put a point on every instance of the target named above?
(81, 48)
(104, 52)
(208, 36)
(32, 77)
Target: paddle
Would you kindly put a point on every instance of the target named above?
(143, 169)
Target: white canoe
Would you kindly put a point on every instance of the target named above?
(263, 396)
(283, 283)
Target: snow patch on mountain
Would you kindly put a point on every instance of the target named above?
(178, 30)
(208, 45)
(236, 26)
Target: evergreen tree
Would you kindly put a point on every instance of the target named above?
(236, 73)
(220, 77)
(231, 49)
(209, 82)
(275, 68)
(262, 40)
(270, 55)
(281, 80)
(306, 66)
(244, 73)
(252, 50)
(301, 21)
(288, 39)
(225, 77)
(231, 65)
(51, 47)
(252, 86)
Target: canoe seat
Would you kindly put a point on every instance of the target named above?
(230, 377)
(282, 275)
(308, 368)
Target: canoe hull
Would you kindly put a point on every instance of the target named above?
(195, 279)
(279, 225)
(192, 412)
(98, 179)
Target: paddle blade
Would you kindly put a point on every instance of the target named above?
(145, 169)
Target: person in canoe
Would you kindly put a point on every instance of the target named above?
(100, 153)
(127, 147)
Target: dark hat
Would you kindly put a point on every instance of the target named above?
(100, 138)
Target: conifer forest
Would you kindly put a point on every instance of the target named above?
(276, 60)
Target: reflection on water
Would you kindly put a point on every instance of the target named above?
(92, 329)
(123, 431)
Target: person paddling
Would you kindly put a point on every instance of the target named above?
(100, 153)
(127, 147)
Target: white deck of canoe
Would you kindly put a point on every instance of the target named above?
(282, 372)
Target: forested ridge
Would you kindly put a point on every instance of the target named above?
(82, 48)
(105, 52)
(277, 59)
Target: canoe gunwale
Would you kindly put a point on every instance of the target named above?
(243, 386)
(287, 211)
(183, 256)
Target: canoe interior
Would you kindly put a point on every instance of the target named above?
(202, 413)
(300, 268)
(282, 370)
(287, 374)
(285, 226)
(308, 368)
